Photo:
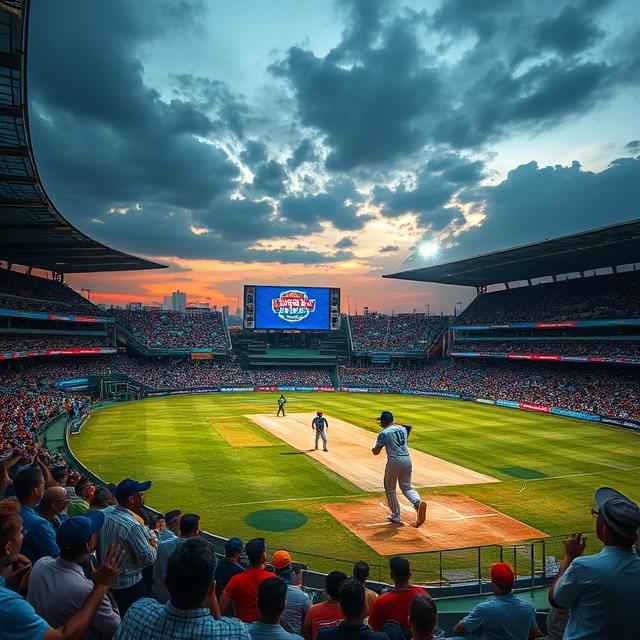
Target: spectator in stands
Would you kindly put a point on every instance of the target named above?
(328, 613)
(79, 504)
(60, 473)
(172, 529)
(189, 528)
(272, 594)
(298, 603)
(53, 503)
(361, 573)
(502, 617)
(190, 612)
(423, 616)
(17, 617)
(230, 565)
(39, 534)
(103, 498)
(394, 605)
(240, 594)
(354, 608)
(602, 590)
(58, 587)
(123, 526)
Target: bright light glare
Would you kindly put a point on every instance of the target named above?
(429, 249)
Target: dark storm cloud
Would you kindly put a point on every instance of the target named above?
(390, 248)
(304, 152)
(537, 203)
(569, 32)
(344, 243)
(378, 97)
(268, 179)
(328, 206)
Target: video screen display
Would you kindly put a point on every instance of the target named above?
(301, 308)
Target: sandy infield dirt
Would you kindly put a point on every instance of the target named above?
(453, 522)
(350, 454)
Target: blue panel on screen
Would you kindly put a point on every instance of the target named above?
(292, 308)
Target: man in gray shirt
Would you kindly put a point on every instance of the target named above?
(58, 587)
(297, 603)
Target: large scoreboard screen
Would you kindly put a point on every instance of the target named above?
(291, 308)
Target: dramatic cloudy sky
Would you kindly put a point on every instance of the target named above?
(317, 142)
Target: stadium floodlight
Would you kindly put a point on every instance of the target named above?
(429, 249)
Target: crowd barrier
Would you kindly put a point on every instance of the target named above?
(43, 315)
(566, 324)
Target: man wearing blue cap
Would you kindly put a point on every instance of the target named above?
(124, 526)
(58, 587)
(393, 438)
(230, 565)
(603, 590)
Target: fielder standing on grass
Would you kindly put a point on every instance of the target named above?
(281, 402)
(393, 438)
(320, 425)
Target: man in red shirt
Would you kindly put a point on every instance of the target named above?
(394, 605)
(240, 596)
(327, 614)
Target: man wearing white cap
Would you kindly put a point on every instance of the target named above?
(603, 590)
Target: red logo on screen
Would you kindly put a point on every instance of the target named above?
(293, 305)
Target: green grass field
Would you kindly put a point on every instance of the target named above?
(548, 466)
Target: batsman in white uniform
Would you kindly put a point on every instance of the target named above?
(393, 438)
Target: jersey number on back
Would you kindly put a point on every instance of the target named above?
(400, 438)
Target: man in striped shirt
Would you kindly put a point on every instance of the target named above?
(192, 612)
(124, 526)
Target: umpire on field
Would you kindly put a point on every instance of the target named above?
(393, 438)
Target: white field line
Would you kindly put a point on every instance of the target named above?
(240, 504)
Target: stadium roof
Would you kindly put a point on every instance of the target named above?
(32, 231)
(606, 247)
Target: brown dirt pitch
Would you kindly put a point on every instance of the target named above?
(453, 521)
(350, 454)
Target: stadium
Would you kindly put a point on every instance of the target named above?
(522, 404)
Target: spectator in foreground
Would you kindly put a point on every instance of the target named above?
(172, 528)
(54, 502)
(361, 573)
(240, 596)
(328, 613)
(122, 526)
(192, 606)
(230, 565)
(79, 503)
(189, 528)
(353, 606)
(17, 617)
(272, 595)
(58, 587)
(603, 590)
(103, 499)
(297, 603)
(502, 617)
(39, 534)
(394, 605)
(423, 616)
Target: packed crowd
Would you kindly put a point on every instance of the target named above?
(605, 391)
(175, 330)
(22, 292)
(402, 332)
(79, 559)
(297, 376)
(602, 348)
(32, 342)
(602, 297)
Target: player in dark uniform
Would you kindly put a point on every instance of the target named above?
(281, 402)
(320, 425)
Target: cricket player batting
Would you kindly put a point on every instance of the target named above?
(393, 438)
